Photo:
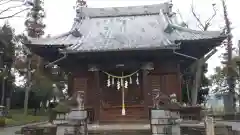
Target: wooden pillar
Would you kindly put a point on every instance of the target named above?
(97, 96)
(146, 91)
(70, 84)
(180, 83)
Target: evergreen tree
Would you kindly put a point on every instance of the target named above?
(35, 28)
(204, 88)
(42, 78)
(231, 106)
(34, 22)
(7, 47)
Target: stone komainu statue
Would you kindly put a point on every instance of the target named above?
(77, 100)
(80, 100)
(162, 100)
(159, 98)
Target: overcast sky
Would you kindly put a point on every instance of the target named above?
(60, 15)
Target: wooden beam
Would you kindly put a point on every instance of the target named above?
(70, 84)
(203, 59)
(179, 77)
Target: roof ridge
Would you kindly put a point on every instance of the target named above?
(126, 11)
(124, 6)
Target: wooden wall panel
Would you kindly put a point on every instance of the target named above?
(172, 85)
(155, 82)
(168, 83)
(166, 78)
(80, 84)
(164, 68)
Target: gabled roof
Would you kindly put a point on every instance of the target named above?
(126, 28)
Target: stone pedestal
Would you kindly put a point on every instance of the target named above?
(77, 123)
(165, 122)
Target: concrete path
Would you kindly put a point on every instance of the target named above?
(9, 130)
(12, 130)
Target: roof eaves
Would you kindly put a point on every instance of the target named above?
(167, 47)
(194, 31)
(220, 39)
(49, 45)
(219, 33)
(44, 41)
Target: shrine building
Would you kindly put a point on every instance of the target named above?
(118, 55)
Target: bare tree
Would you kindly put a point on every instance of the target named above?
(204, 26)
(197, 66)
(13, 8)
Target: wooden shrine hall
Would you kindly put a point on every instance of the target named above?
(118, 55)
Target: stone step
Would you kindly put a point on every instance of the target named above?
(130, 112)
(119, 115)
(120, 132)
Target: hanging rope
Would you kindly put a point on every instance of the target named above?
(121, 77)
(122, 82)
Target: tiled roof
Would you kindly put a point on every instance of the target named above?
(126, 28)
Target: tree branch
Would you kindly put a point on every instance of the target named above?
(5, 2)
(2, 2)
(207, 23)
(197, 18)
(13, 15)
(7, 9)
